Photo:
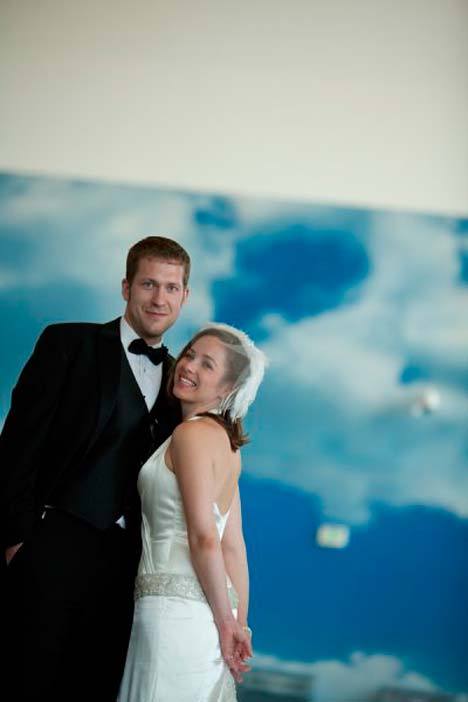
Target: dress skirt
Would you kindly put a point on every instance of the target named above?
(174, 654)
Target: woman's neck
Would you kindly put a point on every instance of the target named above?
(189, 410)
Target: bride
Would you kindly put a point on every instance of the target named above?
(190, 637)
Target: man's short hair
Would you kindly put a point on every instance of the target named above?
(157, 247)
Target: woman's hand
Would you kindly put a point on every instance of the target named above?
(236, 647)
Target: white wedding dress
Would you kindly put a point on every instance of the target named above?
(174, 653)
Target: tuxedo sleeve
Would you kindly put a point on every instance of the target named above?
(33, 404)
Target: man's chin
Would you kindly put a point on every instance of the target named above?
(152, 337)
(153, 334)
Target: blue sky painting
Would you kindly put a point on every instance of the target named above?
(362, 314)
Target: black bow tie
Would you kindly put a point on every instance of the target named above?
(140, 347)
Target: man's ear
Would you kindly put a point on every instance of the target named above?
(186, 294)
(125, 290)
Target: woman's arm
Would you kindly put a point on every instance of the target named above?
(235, 558)
(192, 457)
(192, 449)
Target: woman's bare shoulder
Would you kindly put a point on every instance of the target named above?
(199, 430)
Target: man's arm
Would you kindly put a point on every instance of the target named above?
(34, 400)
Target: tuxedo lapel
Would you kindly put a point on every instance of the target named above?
(162, 400)
(109, 353)
(166, 369)
(165, 413)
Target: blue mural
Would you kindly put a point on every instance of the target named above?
(361, 421)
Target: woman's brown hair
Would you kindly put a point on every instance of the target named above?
(237, 369)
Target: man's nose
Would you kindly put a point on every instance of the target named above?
(158, 295)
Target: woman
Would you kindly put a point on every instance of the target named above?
(190, 635)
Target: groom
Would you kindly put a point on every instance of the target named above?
(88, 409)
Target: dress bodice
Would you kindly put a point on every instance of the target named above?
(164, 529)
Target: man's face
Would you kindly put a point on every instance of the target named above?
(154, 298)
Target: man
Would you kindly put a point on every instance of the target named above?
(88, 410)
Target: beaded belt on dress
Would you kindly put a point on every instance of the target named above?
(176, 584)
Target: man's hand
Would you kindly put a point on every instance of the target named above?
(11, 551)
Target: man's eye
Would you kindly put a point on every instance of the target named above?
(173, 288)
(147, 284)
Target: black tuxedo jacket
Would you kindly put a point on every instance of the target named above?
(62, 401)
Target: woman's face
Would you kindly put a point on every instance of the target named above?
(199, 374)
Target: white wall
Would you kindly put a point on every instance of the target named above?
(352, 101)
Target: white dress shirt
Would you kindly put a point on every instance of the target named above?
(147, 375)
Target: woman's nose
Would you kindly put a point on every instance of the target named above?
(188, 365)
